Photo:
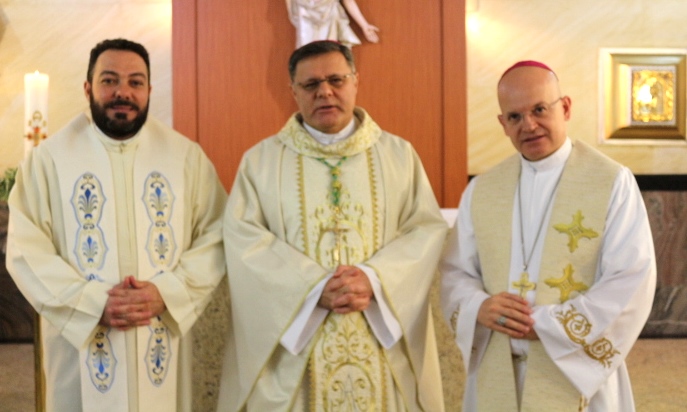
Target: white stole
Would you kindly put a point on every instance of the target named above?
(87, 189)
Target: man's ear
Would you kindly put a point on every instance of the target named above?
(87, 89)
(567, 105)
(502, 121)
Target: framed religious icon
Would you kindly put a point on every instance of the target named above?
(642, 95)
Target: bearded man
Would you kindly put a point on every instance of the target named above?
(115, 239)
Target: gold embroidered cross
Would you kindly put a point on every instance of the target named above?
(524, 284)
(575, 231)
(566, 284)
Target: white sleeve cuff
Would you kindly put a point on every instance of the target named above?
(307, 321)
(384, 325)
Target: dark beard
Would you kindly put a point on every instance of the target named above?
(118, 128)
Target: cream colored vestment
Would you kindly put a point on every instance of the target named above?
(70, 295)
(281, 236)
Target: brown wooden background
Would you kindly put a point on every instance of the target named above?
(231, 89)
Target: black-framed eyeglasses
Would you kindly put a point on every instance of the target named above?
(540, 111)
(335, 80)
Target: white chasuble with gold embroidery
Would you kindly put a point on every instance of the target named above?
(297, 210)
(338, 201)
(90, 220)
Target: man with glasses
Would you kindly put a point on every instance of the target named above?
(549, 274)
(333, 235)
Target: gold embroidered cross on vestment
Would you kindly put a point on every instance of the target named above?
(575, 231)
(566, 284)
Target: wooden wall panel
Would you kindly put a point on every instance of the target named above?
(455, 113)
(184, 75)
(243, 88)
(231, 81)
(401, 78)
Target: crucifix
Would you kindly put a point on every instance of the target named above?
(524, 284)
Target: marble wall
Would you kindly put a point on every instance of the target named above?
(566, 35)
(55, 37)
(667, 211)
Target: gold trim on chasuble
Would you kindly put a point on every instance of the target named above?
(348, 371)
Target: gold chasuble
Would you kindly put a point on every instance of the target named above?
(569, 260)
(340, 204)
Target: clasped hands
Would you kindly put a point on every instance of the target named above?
(509, 314)
(348, 290)
(132, 303)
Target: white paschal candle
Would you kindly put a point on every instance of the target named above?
(36, 109)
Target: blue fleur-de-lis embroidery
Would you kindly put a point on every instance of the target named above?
(90, 249)
(101, 361)
(159, 201)
(161, 246)
(158, 353)
(87, 202)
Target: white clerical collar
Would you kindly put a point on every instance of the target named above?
(327, 138)
(556, 159)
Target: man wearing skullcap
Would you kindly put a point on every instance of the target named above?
(549, 272)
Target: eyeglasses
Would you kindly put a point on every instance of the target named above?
(540, 111)
(335, 80)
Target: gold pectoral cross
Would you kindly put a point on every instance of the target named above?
(524, 284)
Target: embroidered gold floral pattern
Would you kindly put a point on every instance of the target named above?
(351, 370)
(566, 284)
(575, 231)
(302, 206)
(578, 328)
(341, 235)
(341, 225)
(376, 244)
(298, 139)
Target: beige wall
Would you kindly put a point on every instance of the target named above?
(55, 37)
(566, 35)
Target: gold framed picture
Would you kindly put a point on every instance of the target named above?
(642, 93)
